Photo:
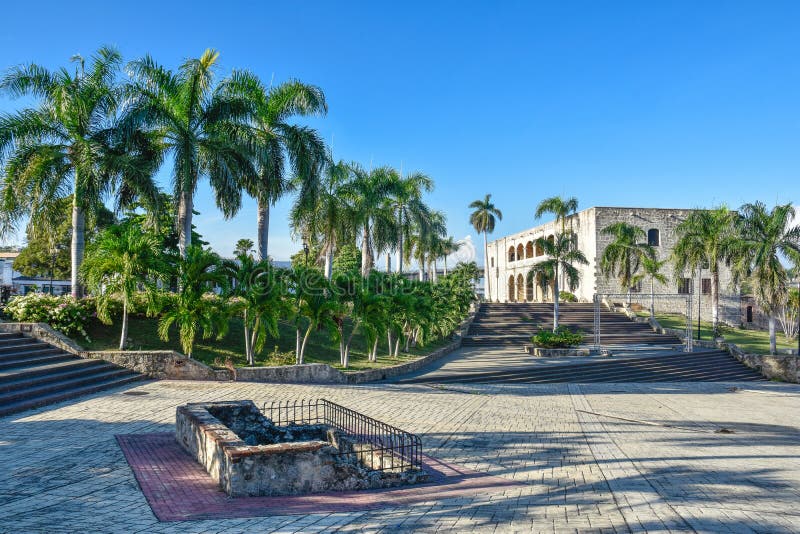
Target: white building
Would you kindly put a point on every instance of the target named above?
(511, 258)
(13, 283)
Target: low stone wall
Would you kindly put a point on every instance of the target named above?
(167, 364)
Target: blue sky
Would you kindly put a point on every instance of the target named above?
(671, 104)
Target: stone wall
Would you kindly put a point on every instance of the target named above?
(167, 364)
(249, 456)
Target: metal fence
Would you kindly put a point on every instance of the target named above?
(373, 443)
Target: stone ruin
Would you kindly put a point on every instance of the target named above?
(331, 448)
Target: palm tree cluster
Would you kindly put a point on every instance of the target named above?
(755, 242)
(103, 130)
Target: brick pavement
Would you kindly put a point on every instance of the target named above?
(583, 469)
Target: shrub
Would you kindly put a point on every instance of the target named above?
(65, 314)
(561, 338)
(566, 296)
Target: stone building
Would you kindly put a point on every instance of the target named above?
(511, 258)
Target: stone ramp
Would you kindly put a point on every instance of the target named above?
(34, 373)
(508, 324)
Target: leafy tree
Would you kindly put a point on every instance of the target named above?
(244, 247)
(563, 254)
(447, 247)
(201, 125)
(313, 305)
(651, 268)
(623, 256)
(408, 208)
(195, 309)
(706, 238)
(483, 220)
(561, 208)
(278, 141)
(69, 145)
(366, 194)
(123, 261)
(765, 237)
(256, 296)
(348, 260)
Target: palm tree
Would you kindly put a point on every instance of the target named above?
(244, 247)
(280, 141)
(409, 209)
(766, 236)
(124, 260)
(69, 145)
(651, 267)
(195, 309)
(329, 218)
(203, 126)
(449, 246)
(563, 254)
(561, 208)
(256, 298)
(623, 256)
(483, 220)
(367, 193)
(706, 237)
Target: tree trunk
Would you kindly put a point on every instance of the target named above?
(389, 335)
(185, 208)
(263, 230)
(714, 301)
(248, 349)
(400, 243)
(435, 276)
(773, 346)
(123, 337)
(388, 263)
(297, 345)
(397, 347)
(652, 297)
(445, 265)
(329, 262)
(422, 269)
(305, 340)
(366, 251)
(555, 301)
(374, 356)
(78, 246)
(486, 273)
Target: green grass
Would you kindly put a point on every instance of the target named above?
(142, 335)
(753, 341)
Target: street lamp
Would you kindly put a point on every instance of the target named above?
(305, 249)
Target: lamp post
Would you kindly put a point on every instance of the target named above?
(699, 297)
(305, 250)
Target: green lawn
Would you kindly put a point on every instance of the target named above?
(142, 335)
(754, 341)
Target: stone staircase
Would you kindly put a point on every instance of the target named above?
(34, 373)
(498, 324)
(708, 366)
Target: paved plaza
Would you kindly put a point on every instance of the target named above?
(705, 457)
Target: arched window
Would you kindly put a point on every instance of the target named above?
(520, 288)
(511, 293)
(510, 253)
(529, 249)
(539, 250)
(653, 237)
(749, 314)
(520, 252)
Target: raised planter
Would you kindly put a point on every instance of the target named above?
(565, 352)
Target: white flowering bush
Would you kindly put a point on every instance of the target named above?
(65, 314)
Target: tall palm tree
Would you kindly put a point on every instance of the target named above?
(123, 261)
(561, 208)
(706, 237)
(367, 193)
(623, 256)
(201, 124)
(651, 268)
(766, 236)
(449, 246)
(280, 141)
(69, 145)
(563, 254)
(329, 219)
(483, 221)
(409, 208)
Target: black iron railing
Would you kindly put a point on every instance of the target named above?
(373, 443)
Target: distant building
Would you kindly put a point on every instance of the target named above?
(511, 258)
(14, 283)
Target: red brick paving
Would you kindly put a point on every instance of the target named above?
(177, 488)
